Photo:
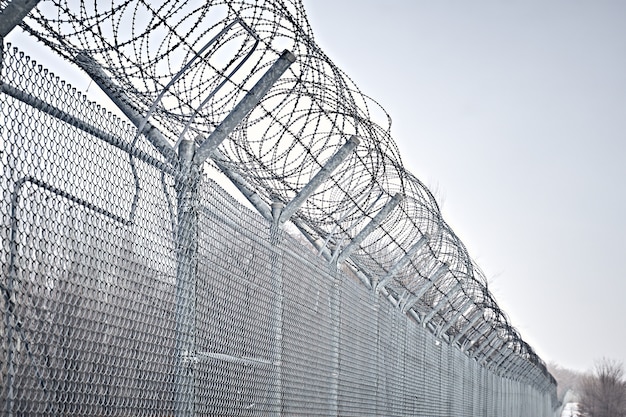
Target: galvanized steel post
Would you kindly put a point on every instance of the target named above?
(335, 311)
(407, 304)
(378, 354)
(245, 106)
(442, 302)
(369, 228)
(186, 275)
(10, 327)
(401, 263)
(277, 289)
(462, 308)
(121, 100)
(13, 14)
(321, 176)
(467, 327)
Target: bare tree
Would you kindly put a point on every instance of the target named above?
(603, 393)
(567, 379)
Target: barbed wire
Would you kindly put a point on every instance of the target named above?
(185, 64)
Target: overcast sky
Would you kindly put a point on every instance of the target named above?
(514, 115)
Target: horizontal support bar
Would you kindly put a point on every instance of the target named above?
(238, 181)
(121, 100)
(241, 360)
(87, 128)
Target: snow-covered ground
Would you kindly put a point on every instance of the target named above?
(570, 410)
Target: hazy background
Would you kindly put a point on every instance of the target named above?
(514, 115)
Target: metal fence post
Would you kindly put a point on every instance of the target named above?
(186, 274)
(400, 264)
(123, 102)
(322, 175)
(8, 329)
(13, 14)
(277, 284)
(335, 311)
(378, 356)
(9, 298)
(405, 305)
(245, 106)
(369, 228)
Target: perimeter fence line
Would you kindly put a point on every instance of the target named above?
(128, 286)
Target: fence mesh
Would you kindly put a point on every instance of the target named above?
(134, 284)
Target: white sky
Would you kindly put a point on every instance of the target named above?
(514, 114)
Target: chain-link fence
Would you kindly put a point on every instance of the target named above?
(133, 286)
(287, 128)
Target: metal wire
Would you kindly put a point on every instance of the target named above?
(134, 285)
